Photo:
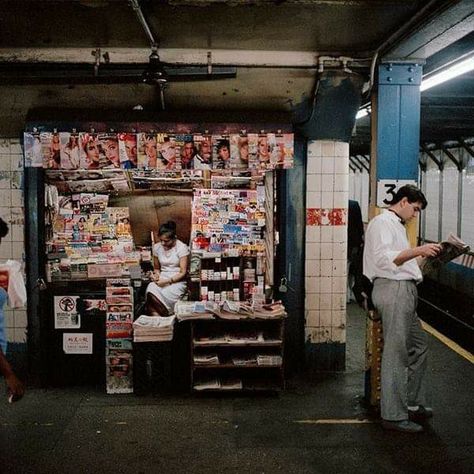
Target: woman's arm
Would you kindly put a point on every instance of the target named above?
(183, 270)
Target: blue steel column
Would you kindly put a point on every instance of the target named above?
(398, 121)
(395, 153)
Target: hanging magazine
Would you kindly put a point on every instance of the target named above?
(452, 247)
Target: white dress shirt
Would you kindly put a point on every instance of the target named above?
(385, 238)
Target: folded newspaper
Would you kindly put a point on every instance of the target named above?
(452, 248)
(153, 328)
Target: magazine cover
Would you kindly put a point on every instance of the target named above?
(92, 156)
(276, 153)
(117, 330)
(33, 150)
(167, 152)
(220, 152)
(119, 373)
(186, 150)
(239, 151)
(128, 150)
(109, 145)
(116, 214)
(119, 318)
(46, 139)
(203, 157)
(147, 150)
(70, 151)
(263, 151)
(253, 159)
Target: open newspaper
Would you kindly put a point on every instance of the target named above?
(452, 247)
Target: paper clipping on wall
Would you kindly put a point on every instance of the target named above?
(77, 343)
(66, 315)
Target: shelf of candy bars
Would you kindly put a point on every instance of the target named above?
(228, 246)
(119, 334)
(89, 239)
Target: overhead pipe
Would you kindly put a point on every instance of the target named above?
(141, 18)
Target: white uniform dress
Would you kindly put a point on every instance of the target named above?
(169, 264)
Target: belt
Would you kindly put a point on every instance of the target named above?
(389, 279)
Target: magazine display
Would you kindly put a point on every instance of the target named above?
(160, 150)
(119, 333)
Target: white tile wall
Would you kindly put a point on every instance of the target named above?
(11, 210)
(326, 266)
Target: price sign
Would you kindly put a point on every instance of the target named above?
(387, 188)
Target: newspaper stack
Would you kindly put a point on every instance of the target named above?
(187, 310)
(206, 359)
(269, 360)
(153, 328)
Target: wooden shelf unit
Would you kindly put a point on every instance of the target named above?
(253, 376)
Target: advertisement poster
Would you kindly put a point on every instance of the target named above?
(77, 343)
(66, 315)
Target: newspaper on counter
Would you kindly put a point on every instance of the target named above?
(153, 328)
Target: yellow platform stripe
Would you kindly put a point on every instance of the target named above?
(448, 342)
(335, 421)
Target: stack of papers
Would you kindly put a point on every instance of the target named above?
(187, 310)
(269, 360)
(212, 384)
(153, 328)
(206, 359)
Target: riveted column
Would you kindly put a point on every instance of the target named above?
(396, 132)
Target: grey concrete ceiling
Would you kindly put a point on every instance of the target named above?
(305, 29)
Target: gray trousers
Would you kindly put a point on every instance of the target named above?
(404, 357)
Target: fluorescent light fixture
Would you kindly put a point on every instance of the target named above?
(362, 112)
(450, 73)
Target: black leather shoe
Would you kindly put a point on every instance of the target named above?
(421, 413)
(405, 426)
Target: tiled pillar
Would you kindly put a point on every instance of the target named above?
(12, 245)
(327, 191)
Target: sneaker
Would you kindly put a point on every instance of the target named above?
(421, 413)
(405, 426)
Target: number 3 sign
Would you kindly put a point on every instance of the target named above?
(387, 188)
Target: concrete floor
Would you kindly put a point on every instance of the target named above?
(81, 431)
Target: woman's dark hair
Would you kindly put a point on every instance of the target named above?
(412, 193)
(3, 228)
(168, 229)
(223, 144)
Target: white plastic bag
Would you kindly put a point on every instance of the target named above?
(16, 284)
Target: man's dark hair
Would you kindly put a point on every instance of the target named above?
(3, 228)
(412, 193)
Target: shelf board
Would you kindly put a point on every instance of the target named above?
(234, 366)
(272, 388)
(238, 344)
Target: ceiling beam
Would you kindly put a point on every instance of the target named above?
(198, 57)
(446, 26)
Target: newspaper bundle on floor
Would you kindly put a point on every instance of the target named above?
(153, 329)
(452, 248)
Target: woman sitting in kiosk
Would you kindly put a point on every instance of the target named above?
(168, 283)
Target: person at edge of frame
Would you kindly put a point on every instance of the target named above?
(15, 388)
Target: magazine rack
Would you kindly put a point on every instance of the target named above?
(237, 354)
